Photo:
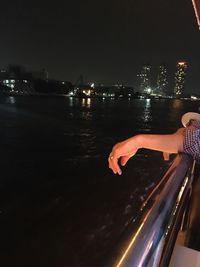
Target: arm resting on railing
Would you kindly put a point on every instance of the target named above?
(123, 151)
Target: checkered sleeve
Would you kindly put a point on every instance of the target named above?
(191, 142)
(195, 124)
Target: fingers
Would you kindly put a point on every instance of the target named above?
(124, 151)
(113, 164)
(125, 159)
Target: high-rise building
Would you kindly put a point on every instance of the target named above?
(145, 79)
(162, 80)
(180, 75)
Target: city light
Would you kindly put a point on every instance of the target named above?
(162, 80)
(148, 90)
(181, 63)
(180, 77)
(87, 92)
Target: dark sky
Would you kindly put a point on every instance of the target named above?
(105, 41)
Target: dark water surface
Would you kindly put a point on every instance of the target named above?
(59, 203)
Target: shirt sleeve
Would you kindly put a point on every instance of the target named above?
(194, 123)
(191, 141)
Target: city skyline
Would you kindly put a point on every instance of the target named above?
(162, 81)
(104, 42)
(16, 79)
(151, 76)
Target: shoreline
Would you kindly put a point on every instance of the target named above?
(99, 97)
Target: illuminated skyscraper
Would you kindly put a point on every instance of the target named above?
(145, 79)
(180, 75)
(162, 80)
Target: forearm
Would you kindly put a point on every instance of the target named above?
(171, 143)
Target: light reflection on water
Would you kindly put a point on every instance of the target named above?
(11, 100)
(71, 101)
(87, 115)
(147, 115)
(177, 104)
(175, 111)
(86, 102)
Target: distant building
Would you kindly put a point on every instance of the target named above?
(16, 80)
(162, 80)
(42, 75)
(180, 76)
(145, 79)
(114, 90)
(2, 73)
(52, 86)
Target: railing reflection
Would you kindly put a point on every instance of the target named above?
(149, 240)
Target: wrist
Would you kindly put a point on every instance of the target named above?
(137, 141)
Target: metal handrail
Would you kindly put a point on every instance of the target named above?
(149, 239)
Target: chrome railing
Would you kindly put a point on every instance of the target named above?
(149, 239)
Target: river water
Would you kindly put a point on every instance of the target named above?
(60, 204)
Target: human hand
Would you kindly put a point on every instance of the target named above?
(121, 153)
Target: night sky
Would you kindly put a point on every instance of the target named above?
(105, 41)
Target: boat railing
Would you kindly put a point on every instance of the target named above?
(150, 238)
